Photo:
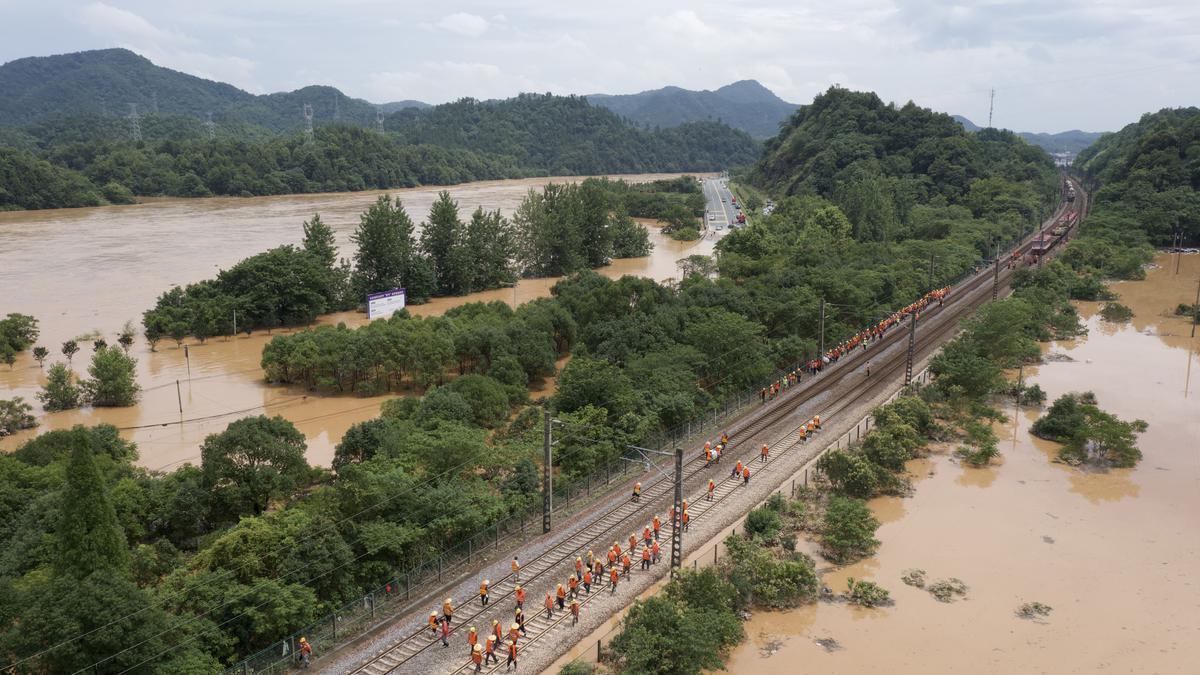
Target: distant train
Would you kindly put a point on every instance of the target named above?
(1059, 231)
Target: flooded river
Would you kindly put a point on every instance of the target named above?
(81, 271)
(1116, 554)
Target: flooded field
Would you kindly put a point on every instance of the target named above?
(81, 271)
(1116, 554)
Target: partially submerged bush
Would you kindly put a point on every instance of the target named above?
(1089, 434)
(946, 589)
(1115, 312)
(914, 577)
(849, 530)
(867, 593)
(1033, 610)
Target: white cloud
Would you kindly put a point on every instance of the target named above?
(462, 23)
(121, 23)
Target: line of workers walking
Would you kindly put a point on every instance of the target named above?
(860, 340)
(615, 564)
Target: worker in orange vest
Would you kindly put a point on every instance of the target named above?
(764, 454)
(711, 486)
(549, 605)
(578, 567)
(617, 549)
(632, 542)
(646, 557)
(598, 570)
(746, 476)
(561, 596)
(686, 519)
(587, 582)
(477, 657)
(445, 633)
(737, 470)
(812, 426)
(626, 564)
(520, 595)
(612, 556)
(514, 632)
(512, 655)
(483, 593)
(520, 619)
(433, 623)
(448, 610)
(574, 612)
(472, 639)
(637, 492)
(646, 535)
(708, 455)
(613, 580)
(724, 439)
(498, 631)
(489, 650)
(654, 551)
(516, 569)
(591, 559)
(573, 586)
(803, 434)
(656, 524)
(817, 420)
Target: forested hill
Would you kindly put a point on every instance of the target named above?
(1148, 175)
(568, 135)
(745, 105)
(527, 136)
(877, 161)
(105, 82)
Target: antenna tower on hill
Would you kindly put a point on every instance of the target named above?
(379, 121)
(991, 106)
(210, 127)
(308, 117)
(135, 124)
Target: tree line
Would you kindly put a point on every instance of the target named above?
(64, 163)
(555, 231)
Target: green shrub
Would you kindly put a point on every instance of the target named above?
(866, 593)
(1115, 312)
(765, 580)
(763, 523)
(848, 532)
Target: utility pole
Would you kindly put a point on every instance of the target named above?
(547, 485)
(991, 106)
(996, 276)
(912, 340)
(235, 324)
(821, 352)
(677, 519)
(1196, 309)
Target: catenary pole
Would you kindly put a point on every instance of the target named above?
(677, 518)
(547, 485)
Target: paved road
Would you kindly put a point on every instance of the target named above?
(718, 202)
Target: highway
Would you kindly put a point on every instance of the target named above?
(718, 201)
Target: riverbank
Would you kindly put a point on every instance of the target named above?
(111, 262)
(1113, 553)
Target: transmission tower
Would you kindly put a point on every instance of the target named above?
(379, 121)
(308, 117)
(991, 106)
(135, 124)
(210, 127)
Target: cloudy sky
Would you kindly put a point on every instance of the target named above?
(1055, 65)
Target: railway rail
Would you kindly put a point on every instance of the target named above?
(936, 325)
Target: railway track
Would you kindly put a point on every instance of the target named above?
(936, 326)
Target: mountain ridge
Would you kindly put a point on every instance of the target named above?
(745, 105)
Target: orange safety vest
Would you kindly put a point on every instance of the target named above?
(447, 609)
(549, 602)
(764, 451)
(560, 593)
(512, 649)
(472, 638)
(738, 468)
(477, 657)
(514, 633)
(521, 595)
(573, 582)
(645, 554)
(498, 631)
(632, 542)
(711, 485)
(617, 549)
(803, 433)
(612, 556)
(646, 533)
(686, 517)
(575, 608)
(515, 566)
(433, 622)
(587, 577)
(746, 472)
(657, 524)
(483, 589)
(812, 426)
(654, 547)
(626, 561)
(489, 645)
(579, 565)
(614, 576)
(445, 628)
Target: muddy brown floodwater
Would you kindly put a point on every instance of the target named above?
(81, 271)
(1116, 554)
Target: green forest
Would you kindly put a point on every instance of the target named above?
(1145, 179)
(88, 160)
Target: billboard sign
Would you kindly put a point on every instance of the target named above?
(380, 305)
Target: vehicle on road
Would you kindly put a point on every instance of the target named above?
(712, 216)
(741, 219)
